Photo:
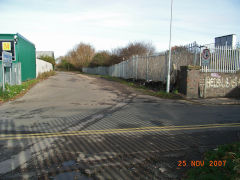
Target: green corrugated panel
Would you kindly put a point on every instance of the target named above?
(25, 53)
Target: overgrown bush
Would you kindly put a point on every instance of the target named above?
(100, 59)
(80, 56)
(65, 65)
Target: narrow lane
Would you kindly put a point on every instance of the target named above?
(87, 127)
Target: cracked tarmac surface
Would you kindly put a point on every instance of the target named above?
(70, 103)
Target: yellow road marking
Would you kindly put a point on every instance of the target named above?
(116, 131)
(126, 129)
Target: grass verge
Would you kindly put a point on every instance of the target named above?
(14, 91)
(230, 154)
(143, 89)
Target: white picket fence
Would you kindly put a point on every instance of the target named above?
(223, 59)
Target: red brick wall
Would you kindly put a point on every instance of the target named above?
(194, 84)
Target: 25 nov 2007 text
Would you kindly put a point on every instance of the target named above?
(201, 163)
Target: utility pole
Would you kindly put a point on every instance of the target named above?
(170, 53)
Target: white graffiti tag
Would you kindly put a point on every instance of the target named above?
(223, 82)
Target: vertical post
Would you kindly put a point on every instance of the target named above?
(121, 69)
(132, 66)
(230, 59)
(233, 59)
(20, 73)
(223, 57)
(147, 69)
(200, 56)
(215, 59)
(227, 60)
(15, 72)
(224, 60)
(124, 69)
(118, 70)
(169, 60)
(205, 85)
(10, 75)
(136, 66)
(195, 55)
(211, 61)
(3, 76)
(220, 58)
(238, 59)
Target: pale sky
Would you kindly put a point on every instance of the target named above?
(58, 25)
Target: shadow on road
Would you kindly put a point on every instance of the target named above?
(129, 155)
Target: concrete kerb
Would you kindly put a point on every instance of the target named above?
(214, 101)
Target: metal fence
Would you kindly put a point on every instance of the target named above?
(223, 59)
(151, 68)
(12, 76)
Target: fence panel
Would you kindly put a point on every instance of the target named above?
(152, 68)
(141, 70)
(157, 68)
(223, 59)
(12, 76)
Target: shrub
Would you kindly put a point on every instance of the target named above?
(101, 59)
(65, 65)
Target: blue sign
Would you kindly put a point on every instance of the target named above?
(6, 59)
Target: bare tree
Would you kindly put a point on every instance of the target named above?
(84, 55)
(135, 48)
(81, 55)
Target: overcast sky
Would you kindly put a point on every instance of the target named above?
(59, 25)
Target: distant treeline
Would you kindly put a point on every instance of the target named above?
(84, 55)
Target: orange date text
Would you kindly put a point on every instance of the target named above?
(201, 163)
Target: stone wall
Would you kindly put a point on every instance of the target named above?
(195, 84)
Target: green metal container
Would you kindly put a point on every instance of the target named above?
(23, 52)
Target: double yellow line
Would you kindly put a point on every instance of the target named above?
(116, 131)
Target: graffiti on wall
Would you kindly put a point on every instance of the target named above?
(217, 81)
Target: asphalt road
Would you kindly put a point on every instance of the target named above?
(84, 127)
